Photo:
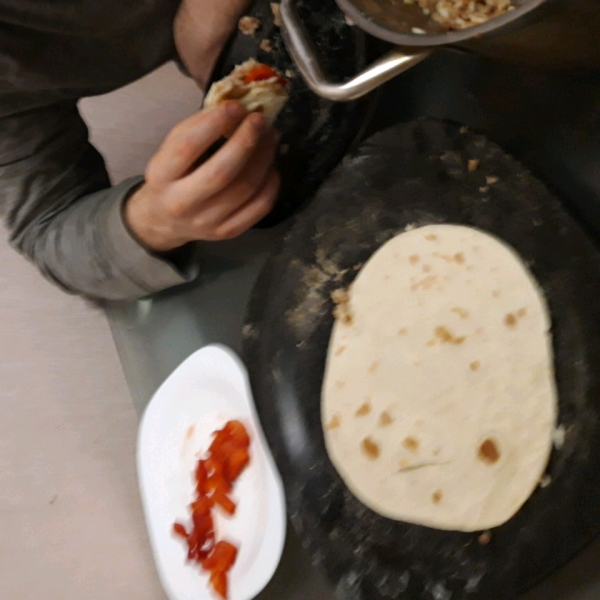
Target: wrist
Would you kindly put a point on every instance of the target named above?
(149, 231)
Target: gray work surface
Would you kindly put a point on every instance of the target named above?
(549, 121)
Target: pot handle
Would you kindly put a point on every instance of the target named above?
(303, 53)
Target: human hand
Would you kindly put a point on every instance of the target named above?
(221, 198)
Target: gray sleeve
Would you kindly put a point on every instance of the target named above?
(61, 212)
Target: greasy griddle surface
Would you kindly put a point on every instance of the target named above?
(416, 174)
(317, 133)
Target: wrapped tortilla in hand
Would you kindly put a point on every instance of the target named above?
(257, 86)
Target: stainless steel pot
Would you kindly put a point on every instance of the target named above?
(559, 34)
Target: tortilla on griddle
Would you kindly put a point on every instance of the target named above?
(439, 400)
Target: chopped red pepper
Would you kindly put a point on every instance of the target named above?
(225, 502)
(222, 558)
(179, 529)
(238, 433)
(227, 458)
(236, 463)
(201, 506)
(218, 581)
(262, 73)
(221, 437)
(201, 476)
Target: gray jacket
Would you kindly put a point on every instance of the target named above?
(55, 195)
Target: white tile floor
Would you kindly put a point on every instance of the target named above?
(71, 525)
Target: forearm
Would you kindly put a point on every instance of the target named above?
(201, 29)
(63, 215)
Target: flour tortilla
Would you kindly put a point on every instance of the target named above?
(267, 96)
(439, 401)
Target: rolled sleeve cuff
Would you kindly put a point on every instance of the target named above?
(141, 272)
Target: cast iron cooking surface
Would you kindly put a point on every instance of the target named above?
(415, 174)
(317, 132)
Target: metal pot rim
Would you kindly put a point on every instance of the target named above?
(428, 40)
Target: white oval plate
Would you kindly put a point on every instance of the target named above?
(208, 389)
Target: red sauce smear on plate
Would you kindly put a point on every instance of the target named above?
(215, 475)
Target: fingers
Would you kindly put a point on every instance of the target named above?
(250, 180)
(253, 211)
(221, 169)
(220, 199)
(190, 139)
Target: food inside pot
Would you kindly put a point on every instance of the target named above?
(460, 14)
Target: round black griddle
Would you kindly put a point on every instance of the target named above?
(415, 174)
(316, 133)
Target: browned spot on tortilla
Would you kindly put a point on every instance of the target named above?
(403, 464)
(411, 444)
(511, 319)
(424, 283)
(190, 432)
(341, 310)
(426, 268)
(403, 331)
(485, 538)
(445, 337)
(474, 366)
(431, 237)
(340, 350)
(488, 452)
(496, 293)
(437, 451)
(373, 367)
(370, 448)
(463, 313)
(334, 423)
(458, 258)
(413, 259)
(340, 296)
(436, 498)
(385, 419)
(363, 409)
(443, 334)
(340, 384)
